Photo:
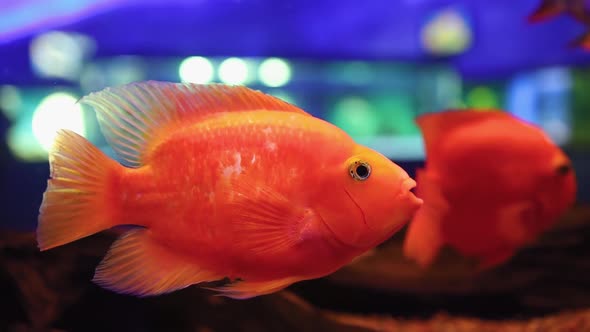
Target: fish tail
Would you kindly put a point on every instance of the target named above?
(76, 201)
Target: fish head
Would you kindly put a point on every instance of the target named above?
(558, 186)
(376, 200)
(553, 194)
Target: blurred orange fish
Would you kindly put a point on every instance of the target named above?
(491, 184)
(578, 9)
(226, 182)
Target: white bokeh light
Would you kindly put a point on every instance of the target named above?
(60, 54)
(233, 71)
(57, 111)
(196, 69)
(274, 72)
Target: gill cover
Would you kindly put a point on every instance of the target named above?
(377, 199)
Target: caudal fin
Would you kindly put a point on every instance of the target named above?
(76, 202)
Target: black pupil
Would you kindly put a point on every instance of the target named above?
(563, 169)
(362, 171)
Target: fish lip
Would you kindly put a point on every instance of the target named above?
(408, 184)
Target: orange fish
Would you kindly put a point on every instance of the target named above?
(492, 183)
(578, 9)
(225, 182)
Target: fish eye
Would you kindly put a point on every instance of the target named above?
(360, 170)
(563, 169)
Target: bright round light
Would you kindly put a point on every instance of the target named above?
(233, 71)
(57, 111)
(274, 72)
(196, 69)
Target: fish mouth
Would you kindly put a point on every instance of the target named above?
(408, 186)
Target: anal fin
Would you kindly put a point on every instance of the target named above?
(137, 264)
(247, 289)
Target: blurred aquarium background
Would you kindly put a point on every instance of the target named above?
(370, 67)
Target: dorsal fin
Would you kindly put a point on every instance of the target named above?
(131, 116)
(435, 126)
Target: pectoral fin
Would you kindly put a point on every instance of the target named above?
(265, 221)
